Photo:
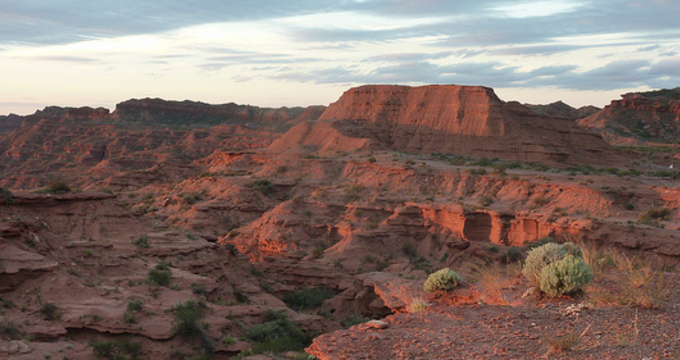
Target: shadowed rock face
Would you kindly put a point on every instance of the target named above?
(463, 120)
(647, 116)
(559, 108)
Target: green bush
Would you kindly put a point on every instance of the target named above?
(277, 334)
(513, 255)
(50, 311)
(57, 187)
(307, 298)
(189, 315)
(9, 329)
(540, 257)
(264, 186)
(442, 280)
(6, 196)
(142, 242)
(158, 277)
(114, 350)
(652, 216)
(565, 276)
(135, 305)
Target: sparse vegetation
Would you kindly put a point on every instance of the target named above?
(159, 275)
(116, 350)
(442, 280)
(277, 334)
(188, 324)
(50, 311)
(135, 305)
(264, 186)
(562, 343)
(6, 196)
(652, 216)
(142, 241)
(307, 298)
(57, 187)
(9, 330)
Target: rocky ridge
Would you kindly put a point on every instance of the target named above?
(461, 120)
(652, 116)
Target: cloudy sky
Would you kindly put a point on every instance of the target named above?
(301, 52)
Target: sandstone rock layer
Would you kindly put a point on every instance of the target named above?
(463, 120)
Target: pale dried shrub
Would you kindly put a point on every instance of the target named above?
(442, 280)
(565, 276)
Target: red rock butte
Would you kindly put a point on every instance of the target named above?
(461, 120)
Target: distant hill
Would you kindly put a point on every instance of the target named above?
(652, 116)
(461, 120)
(561, 109)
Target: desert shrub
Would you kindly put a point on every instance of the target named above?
(277, 334)
(9, 329)
(6, 196)
(228, 341)
(129, 318)
(513, 255)
(540, 257)
(188, 315)
(104, 349)
(135, 305)
(264, 186)
(142, 242)
(652, 216)
(57, 187)
(307, 298)
(115, 350)
(231, 248)
(50, 311)
(192, 197)
(160, 277)
(241, 297)
(418, 305)
(565, 276)
(442, 280)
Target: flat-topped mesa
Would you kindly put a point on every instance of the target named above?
(461, 120)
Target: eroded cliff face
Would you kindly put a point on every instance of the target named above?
(86, 145)
(639, 117)
(461, 120)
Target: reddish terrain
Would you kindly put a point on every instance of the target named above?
(243, 216)
(448, 119)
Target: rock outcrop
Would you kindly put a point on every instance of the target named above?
(462, 120)
(639, 117)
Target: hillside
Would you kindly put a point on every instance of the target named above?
(151, 232)
(449, 119)
(652, 116)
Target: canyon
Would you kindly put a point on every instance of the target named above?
(113, 224)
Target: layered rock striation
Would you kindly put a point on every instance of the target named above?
(462, 120)
(639, 117)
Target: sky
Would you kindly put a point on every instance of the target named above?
(305, 52)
